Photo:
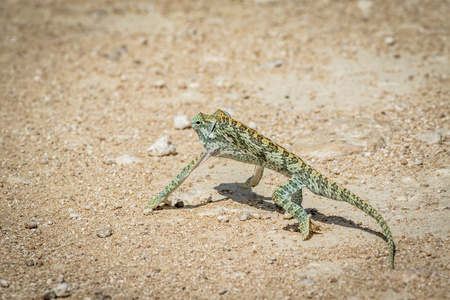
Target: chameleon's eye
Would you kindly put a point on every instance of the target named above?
(197, 123)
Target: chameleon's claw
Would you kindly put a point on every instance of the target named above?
(287, 216)
(248, 183)
(310, 227)
(314, 226)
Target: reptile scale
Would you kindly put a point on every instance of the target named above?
(224, 137)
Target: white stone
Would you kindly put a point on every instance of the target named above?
(4, 283)
(148, 211)
(245, 216)
(443, 172)
(389, 40)
(105, 232)
(205, 198)
(223, 219)
(402, 198)
(255, 216)
(62, 290)
(127, 159)
(181, 122)
(365, 6)
(273, 64)
(162, 147)
(159, 84)
(430, 137)
(74, 216)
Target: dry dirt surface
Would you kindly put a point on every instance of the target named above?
(359, 89)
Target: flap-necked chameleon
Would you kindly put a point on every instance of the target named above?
(225, 137)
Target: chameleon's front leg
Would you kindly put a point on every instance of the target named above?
(177, 181)
(281, 197)
(255, 179)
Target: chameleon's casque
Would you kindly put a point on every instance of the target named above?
(224, 137)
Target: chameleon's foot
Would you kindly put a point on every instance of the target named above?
(248, 184)
(314, 226)
(287, 216)
(154, 204)
(254, 180)
(307, 226)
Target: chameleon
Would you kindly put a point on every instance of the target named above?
(225, 137)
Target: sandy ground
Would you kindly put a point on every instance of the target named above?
(358, 89)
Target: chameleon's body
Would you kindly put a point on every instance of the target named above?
(224, 137)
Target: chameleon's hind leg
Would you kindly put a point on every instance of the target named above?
(297, 198)
(255, 179)
(281, 197)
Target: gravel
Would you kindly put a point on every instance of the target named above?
(4, 283)
(223, 219)
(31, 225)
(162, 147)
(127, 159)
(105, 232)
(181, 122)
(62, 290)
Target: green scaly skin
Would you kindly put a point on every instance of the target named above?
(224, 137)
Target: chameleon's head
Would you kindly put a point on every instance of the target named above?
(204, 124)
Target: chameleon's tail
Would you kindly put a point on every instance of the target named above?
(330, 189)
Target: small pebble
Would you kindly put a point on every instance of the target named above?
(443, 172)
(105, 232)
(255, 216)
(205, 198)
(179, 203)
(117, 206)
(127, 159)
(4, 283)
(31, 225)
(49, 295)
(273, 64)
(143, 41)
(430, 137)
(364, 6)
(222, 291)
(402, 198)
(60, 278)
(389, 40)
(118, 52)
(245, 216)
(159, 84)
(223, 219)
(29, 263)
(418, 162)
(74, 216)
(62, 290)
(193, 85)
(148, 211)
(181, 122)
(162, 147)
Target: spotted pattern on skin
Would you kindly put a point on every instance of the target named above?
(225, 137)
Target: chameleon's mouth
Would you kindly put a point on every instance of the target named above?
(212, 128)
